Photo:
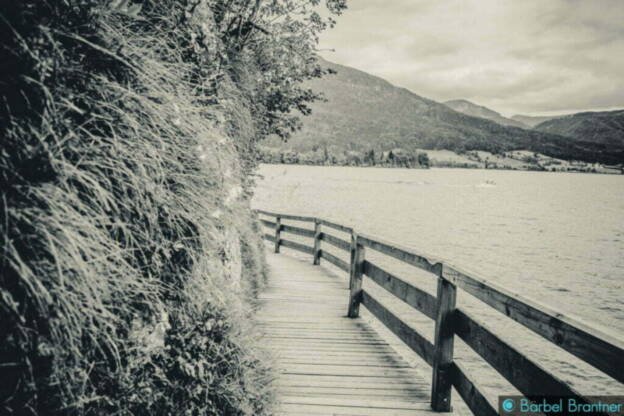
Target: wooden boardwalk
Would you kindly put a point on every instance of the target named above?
(329, 364)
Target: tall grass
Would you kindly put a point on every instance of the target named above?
(129, 251)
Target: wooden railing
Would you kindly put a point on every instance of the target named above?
(602, 351)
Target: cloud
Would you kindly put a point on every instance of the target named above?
(529, 56)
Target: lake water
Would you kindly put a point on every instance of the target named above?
(557, 238)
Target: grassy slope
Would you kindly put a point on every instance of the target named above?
(365, 112)
(129, 250)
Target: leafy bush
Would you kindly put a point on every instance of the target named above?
(122, 211)
(130, 255)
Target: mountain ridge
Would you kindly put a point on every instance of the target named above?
(472, 109)
(602, 127)
(363, 112)
(532, 121)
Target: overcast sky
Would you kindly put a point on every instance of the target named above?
(514, 56)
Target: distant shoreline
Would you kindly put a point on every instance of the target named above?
(444, 167)
(523, 160)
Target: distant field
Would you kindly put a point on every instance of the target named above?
(516, 160)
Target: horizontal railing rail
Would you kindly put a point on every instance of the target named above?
(603, 351)
(413, 296)
(299, 231)
(336, 242)
(418, 343)
(338, 262)
(268, 223)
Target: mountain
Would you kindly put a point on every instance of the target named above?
(605, 128)
(475, 110)
(364, 113)
(532, 121)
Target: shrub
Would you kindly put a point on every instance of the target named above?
(130, 255)
(123, 210)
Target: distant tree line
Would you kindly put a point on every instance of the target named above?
(324, 155)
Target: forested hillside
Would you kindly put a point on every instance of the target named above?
(475, 110)
(364, 113)
(130, 255)
(604, 128)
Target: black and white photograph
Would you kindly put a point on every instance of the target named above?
(311, 207)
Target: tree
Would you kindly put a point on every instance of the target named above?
(271, 49)
(369, 157)
(423, 160)
(353, 158)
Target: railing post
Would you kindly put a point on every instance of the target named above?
(355, 278)
(278, 230)
(443, 353)
(317, 242)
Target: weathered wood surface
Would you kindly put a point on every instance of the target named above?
(336, 242)
(419, 344)
(268, 223)
(286, 216)
(399, 252)
(529, 377)
(327, 363)
(413, 296)
(297, 246)
(278, 233)
(341, 264)
(317, 242)
(355, 278)
(443, 350)
(601, 350)
(297, 230)
(470, 392)
(336, 226)
(595, 347)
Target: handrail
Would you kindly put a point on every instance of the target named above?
(563, 331)
(403, 254)
(336, 226)
(602, 351)
(297, 230)
(286, 216)
(413, 296)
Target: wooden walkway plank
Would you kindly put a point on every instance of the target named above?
(329, 364)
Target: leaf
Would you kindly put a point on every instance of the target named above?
(126, 7)
(134, 10)
(115, 4)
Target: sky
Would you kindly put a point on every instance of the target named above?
(536, 57)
